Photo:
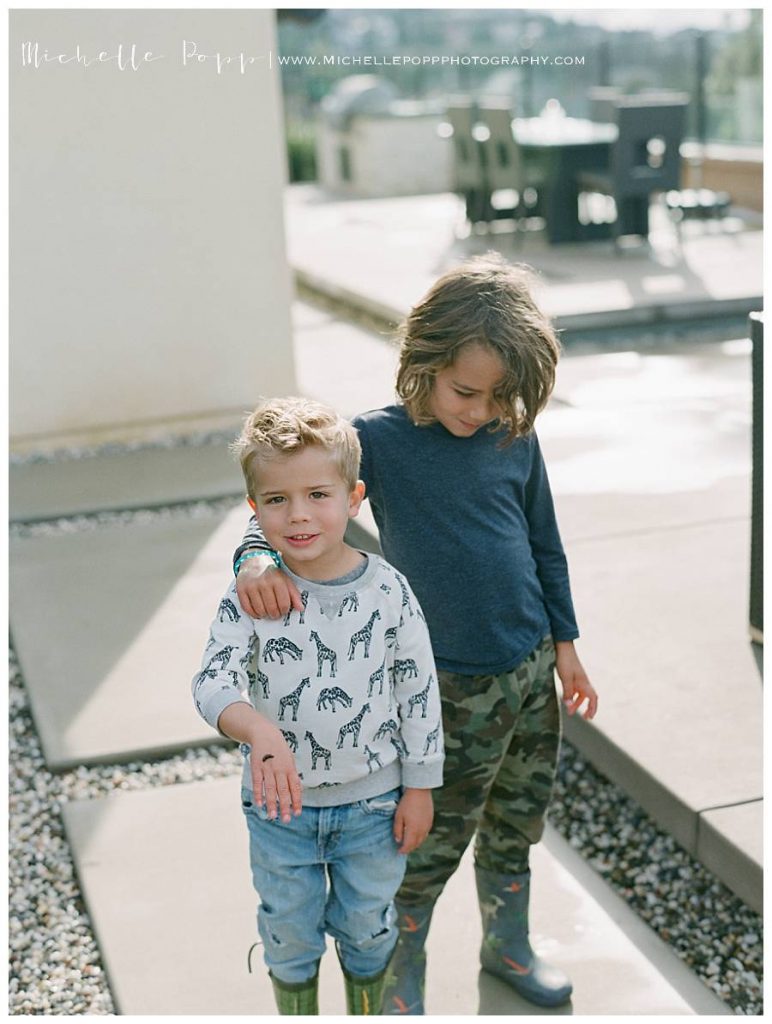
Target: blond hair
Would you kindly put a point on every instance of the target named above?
(282, 426)
(484, 301)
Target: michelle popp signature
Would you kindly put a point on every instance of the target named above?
(133, 57)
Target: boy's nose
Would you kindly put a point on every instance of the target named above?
(481, 413)
(299, 513)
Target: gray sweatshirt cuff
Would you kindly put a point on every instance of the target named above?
(422, 776)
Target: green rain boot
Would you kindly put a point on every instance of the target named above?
(297, 999)
(404, 988)
(364, 995)
(506, 951)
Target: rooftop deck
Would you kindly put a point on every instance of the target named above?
(649, 455)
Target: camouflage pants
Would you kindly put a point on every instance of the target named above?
(502, 735)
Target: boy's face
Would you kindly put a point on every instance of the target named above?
(303, 506)
(463, 396)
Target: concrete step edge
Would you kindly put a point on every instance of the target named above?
(730, 863)
(310, 284)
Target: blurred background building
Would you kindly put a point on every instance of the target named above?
(715, 57)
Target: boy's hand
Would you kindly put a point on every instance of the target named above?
(274, 771)
(413, 819)
(577, 688)
(264, 591)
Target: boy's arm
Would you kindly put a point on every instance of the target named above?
(417, 695)
(222, 677)
(577, 688)
(264, 591)
(547, 549)
(552, 570)
(253, 539)
(270, 760)
(218, 695)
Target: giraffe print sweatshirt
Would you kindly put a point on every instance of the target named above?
(350, 682)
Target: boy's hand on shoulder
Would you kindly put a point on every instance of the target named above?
(265, 592)
(413, 819)
(274, 773)
(577, 687)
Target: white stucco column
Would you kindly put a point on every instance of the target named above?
(149, 280)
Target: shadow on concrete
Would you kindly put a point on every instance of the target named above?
(109, 625)
(758, 656)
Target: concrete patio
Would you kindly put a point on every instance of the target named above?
(649, 457)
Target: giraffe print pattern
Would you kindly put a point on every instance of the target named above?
(317, 751)
(291, 739)
(279, 646)
(228, 608)
(373, 758)
(328, 698)
(271, 663)
(363, 636)
(432, 740)
(223, 656)
(376, 679)
(420, 698)
(292, 700)
(324, 653)
(353, 727)
(351, 601)
(301, 615)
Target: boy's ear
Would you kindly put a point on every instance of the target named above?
(253, 505)
(356, 498)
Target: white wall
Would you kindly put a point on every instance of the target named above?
(148, 271)
(390, 156)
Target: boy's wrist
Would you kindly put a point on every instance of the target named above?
(271, 555)
(241, 722)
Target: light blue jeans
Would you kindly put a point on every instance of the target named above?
(352, 846)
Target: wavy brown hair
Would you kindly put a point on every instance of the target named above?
(484, 301)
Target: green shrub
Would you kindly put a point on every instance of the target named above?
(301, 152)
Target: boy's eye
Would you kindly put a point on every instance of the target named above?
(319, 494)
(274, 500)
(464, 394)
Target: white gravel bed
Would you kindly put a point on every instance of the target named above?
(55, 966)
(222, 438)
(710, 928)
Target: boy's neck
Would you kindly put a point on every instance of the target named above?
(330, 567)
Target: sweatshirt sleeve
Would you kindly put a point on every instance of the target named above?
(226, 663)
(417, 695)
(253, 538)
(547, 549)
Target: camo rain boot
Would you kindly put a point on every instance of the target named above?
(506, 951)
(297, 999)
(405, 975)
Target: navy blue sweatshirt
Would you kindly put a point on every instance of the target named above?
(472, 526)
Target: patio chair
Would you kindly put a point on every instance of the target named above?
(468, 163)
(644, 159)
(512, 184)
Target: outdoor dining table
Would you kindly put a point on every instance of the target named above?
(558, 148)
